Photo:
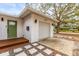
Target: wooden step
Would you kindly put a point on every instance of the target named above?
(6, 45)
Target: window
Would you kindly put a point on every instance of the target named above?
(12, 23)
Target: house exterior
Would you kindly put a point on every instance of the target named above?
(30, 24)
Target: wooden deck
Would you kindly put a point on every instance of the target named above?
(9, 44)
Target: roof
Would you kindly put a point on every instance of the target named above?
(28, 10)
(6, 14)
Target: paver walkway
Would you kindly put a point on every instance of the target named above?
(33, 49)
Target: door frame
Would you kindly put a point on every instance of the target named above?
(8, 28)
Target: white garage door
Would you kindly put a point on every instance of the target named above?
(44, 30)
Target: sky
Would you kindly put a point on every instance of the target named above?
(11, 8)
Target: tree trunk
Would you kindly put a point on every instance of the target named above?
(58, 27)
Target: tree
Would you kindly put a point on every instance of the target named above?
(63, 12)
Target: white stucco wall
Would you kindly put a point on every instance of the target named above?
(35, 27)
(3, 26)
(27, 21)
(35, 30)
(51, 31)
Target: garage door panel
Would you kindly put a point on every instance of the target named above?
(44, 30)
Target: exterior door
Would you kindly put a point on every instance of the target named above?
(12, 29)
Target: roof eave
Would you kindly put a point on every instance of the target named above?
(30, 10)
